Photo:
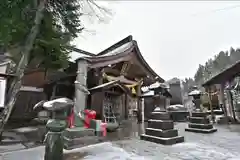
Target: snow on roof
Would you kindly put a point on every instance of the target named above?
(119, 49)
(194, 92)
(149, 93)
(157, 84)
(77, 55)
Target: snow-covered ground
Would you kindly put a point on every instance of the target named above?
(221, 145)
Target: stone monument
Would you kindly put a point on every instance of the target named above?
(79, 135)
(199, 120)
(160, 127)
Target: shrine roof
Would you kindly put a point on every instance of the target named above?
(119, 50)
(225, 75)
(148, 94)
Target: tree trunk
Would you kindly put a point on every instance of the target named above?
(25, 52)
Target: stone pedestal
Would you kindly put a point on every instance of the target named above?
(200, 123)
(79, 137)
(161, 130)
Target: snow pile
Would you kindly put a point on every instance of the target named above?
(107, 151)
(177, 107)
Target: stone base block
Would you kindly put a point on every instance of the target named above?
(78, 132)
(179, 116)
(160, 140)
(199, 114)
(81, 142)
(160, 124)
(160, 115)
(161, 133)
(196, 130)
(199, 120)
(79, 137)
(200, 126)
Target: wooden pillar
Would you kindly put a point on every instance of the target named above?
(126, 106)
(139, 103)
(143, 109)
(53, 92)
(102, 94)
(211, 107)
(100, 76)
(221, 99)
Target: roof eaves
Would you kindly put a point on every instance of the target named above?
(118, 44)
(105, 57)
(146, 64)
(83, 58)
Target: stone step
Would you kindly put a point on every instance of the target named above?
(200, 126)
(78, 132)
(160, 115)
(196, 130)
(199, 114)
(161, 133)
(164, 141)
(199, 120)
(160, 124)
(81, 142)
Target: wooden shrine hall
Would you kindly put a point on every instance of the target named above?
(114, 79)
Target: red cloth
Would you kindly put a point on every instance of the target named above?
(89, 114)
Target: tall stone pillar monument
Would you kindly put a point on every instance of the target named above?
(80, 135)
(81, 91)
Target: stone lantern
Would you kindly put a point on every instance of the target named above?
(196, 94)
(60, 109)
(161, 127)
(199, 120)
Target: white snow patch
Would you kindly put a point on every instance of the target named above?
(107, 151)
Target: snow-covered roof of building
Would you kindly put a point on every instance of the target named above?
(194, 92)
(157, 84)
(149, 93)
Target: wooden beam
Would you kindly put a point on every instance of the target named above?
(111, 70)
(122, 79)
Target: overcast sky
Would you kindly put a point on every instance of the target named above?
(173, 37)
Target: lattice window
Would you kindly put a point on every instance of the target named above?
(132, 105)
